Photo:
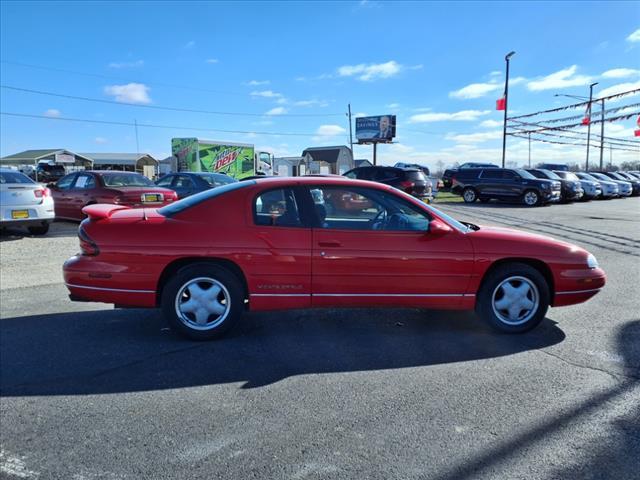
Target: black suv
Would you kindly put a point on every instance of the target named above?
(449, 172)
(504, 184)
(409, 180)
(46, 173)
(571, 189)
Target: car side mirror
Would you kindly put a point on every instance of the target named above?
(438, 228)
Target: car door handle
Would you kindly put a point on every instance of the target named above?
(333, 243)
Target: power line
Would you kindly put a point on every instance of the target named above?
(526, 137)
(573, 132)
(173, 127)
(610, 142)
(158, 107)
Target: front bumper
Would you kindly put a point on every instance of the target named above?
(578, 285)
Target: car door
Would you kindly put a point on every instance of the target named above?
(183, 185)
(279, 275)
(372, 247)
(510, 184)
(61, 197)
(490, 183)
(82, 192)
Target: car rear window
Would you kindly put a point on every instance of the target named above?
(198, 198)
(416, 175)
(14, 177)
(126, 180)
(216, 180)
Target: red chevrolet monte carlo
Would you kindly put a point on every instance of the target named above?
(75, 191)
(283, 243)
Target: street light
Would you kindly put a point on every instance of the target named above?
(506, 97)
(590, 99)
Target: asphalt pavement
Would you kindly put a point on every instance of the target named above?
(92, 392)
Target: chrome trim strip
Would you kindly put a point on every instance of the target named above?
(579, 291)
(280, 294)
(391, 295)
(110, 289)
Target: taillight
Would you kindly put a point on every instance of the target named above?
(42, 192)
(87, 245)
(407, 185)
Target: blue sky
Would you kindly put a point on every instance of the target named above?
(438, 66)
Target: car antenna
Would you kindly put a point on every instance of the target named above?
(144, 213)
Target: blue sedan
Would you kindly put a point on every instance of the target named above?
(188, 183)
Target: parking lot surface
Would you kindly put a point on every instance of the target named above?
(93, 392)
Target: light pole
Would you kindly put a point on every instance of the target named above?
(578, 97)
(506, 104)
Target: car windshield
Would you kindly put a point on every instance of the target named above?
(600, 176)
(586, 176)
(617, 176)
(198, 198)
(14, 177)
(570, 176)
(450, 220)
(550, 174)
(215, 180)
(524, 174)
(126, 180)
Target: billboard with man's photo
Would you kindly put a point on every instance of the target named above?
(381, 128)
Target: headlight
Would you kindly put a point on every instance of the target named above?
(591, 261)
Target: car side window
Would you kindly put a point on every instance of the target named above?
(183, 181)
(85, 181)
(491, 173)
(65, 182)
(351, 174)
(506, 174)
(277, 208)
(385, 175)
(365, 209)
(165, 181)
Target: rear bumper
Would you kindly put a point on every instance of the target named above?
(37, 214)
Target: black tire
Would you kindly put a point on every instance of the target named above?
(484, 200)
(493, 285)
(231, 294)
(469, 195)
(531, 198)
(39, 230)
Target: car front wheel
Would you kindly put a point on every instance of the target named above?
(531, 198)
(514, 298)
(202, 301)
(469, 195)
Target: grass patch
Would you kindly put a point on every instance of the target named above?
(447, 197)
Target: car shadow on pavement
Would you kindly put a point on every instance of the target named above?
(614, 455)
(111, 351)
(59, 229)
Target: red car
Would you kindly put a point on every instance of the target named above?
(271, 244)
(75, 191)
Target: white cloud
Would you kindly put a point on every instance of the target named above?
(475, 137)
(190, 44)
(100, 140)
(211, 60)
(282, 101)
(137, 63)
(330, 130)
(359, 114)
(52, 113)
(516, 81)
(634, 37)
(393, 106)
(463, 116)
(561, 79)
(257, 83)
(311, 103)
(277, 111)
(371, 71)
(619, 88)
(621, 73)
(475, 90)
(266, 94)
(129, 93)
(490, 124)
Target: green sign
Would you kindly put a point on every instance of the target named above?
(195, 156)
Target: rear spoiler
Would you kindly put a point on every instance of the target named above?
(102, 210)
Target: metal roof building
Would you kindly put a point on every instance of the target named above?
(52, 155)
(133, 160)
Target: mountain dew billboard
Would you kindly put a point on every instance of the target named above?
(194, 155)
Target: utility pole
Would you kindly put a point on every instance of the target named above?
(350, 130)
(601, 133)
(589, 124)
(375, 151)
(506, 105)
(529, 149)
(135, 123)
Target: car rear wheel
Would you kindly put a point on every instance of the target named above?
(469, 195)
(39, 230)
(531, 198)
(514, 298)
(202, 301)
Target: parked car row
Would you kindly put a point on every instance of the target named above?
(540, 186)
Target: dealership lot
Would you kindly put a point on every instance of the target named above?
(93, 392)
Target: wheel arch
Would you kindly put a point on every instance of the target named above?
(176, 265)
(539, 265)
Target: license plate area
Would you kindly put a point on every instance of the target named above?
(19, 214)
(152, 197)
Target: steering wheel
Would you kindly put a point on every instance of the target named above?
(379, 220)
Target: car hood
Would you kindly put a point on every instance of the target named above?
(499, 240)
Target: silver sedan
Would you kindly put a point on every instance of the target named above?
(24, 203)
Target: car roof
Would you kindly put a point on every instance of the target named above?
(100, 172)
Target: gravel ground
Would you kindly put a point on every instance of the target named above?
(91, 392)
